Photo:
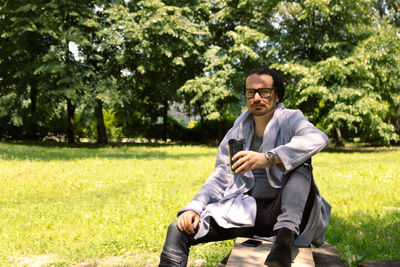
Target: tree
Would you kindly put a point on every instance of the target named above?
(22, 47)
(235, 45)
(390, 10)
(162, 54)
(100, 47)
(134, 59)
(328, 80)
(38, 61)
(217, 93)
(61, 71)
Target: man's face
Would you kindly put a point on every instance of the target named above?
(260, 106)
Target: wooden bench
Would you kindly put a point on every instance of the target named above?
(255, 256)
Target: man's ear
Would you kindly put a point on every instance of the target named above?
(276, 99)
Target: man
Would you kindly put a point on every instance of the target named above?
(271, 190)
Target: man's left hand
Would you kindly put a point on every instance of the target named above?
(248, 161)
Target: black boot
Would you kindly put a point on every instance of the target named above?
(281, 252)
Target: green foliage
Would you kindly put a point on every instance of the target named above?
(161, 48)
(209, 95)
(348, 88)
(215, 93)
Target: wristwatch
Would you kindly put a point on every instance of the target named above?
(271, 158)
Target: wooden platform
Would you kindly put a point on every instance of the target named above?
(255, 256)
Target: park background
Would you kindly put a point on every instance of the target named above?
(151, 77)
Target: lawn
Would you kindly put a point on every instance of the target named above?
(111, 205)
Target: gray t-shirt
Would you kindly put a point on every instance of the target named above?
(262, 189)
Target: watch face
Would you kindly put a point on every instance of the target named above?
(271, 157)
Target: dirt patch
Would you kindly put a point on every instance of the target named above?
(35, 261)
(114, 261)
(127, 260)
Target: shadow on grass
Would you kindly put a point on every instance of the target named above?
(366, 236)
(62, 151)
(360, 149)
(92, 145)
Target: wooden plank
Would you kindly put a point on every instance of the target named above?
(327, 256)
(255, 256)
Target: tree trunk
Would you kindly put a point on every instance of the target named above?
(378, 6)
(33, 134)
(396, 122)
(165, 120)
(201, 116)
(101, 128)
(221, 133)
(338, 138)
(71, 122)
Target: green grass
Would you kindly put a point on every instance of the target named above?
(86, 204)
(364, 191)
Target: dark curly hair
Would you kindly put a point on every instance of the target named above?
(278, 84)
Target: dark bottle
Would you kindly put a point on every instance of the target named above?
(235, 145)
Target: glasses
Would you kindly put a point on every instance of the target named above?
(263, 92)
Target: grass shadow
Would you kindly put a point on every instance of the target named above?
(362, 235)
(92, 145)
(360, 149)
(61, 151)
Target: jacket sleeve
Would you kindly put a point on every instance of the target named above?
(214, 188)
(305, 140)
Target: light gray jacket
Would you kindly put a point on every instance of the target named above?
(223, 196)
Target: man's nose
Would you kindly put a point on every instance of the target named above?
(257, 96)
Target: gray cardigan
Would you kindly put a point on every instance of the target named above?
(223, 196)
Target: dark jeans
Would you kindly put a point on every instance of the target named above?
(291, 210)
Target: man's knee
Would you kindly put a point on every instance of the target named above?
(303, 171)
(173, 227)
(173, 230)
(299, 180)
(174, 235)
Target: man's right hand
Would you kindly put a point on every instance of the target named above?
(188, 221)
